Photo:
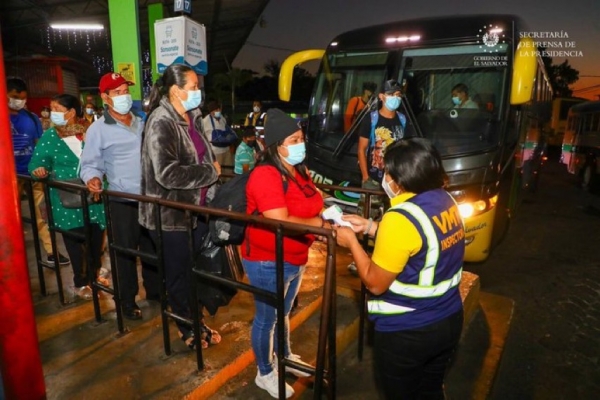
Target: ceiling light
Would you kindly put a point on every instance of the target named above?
(78, 27)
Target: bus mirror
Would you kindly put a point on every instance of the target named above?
(286, 73)
(524, 70)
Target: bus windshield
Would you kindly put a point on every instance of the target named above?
(428, 76)
(456, 94)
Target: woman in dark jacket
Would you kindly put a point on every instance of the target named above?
(177, 165)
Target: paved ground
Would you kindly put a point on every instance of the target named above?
(549, 265)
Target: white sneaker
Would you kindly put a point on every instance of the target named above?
(294, 371)
(270, 383)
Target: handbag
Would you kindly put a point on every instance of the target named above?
(223, 261)
(222, 138)
(71, 198)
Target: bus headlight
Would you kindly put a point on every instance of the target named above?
(474, 208)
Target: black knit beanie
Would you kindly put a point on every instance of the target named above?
(279, 125)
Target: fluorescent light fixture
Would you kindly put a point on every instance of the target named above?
(333, 44)
(78, 27)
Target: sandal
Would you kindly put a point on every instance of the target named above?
(209, 336)
(188, 337)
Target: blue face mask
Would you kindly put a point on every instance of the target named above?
(122, 103)
(296, 153)
(455, 100)
(392, 103)
(217, 114)
(193, 100)
(58, 118)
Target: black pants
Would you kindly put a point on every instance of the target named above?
(77, 253)
(412, 364)
(176, 254)
(127, 232)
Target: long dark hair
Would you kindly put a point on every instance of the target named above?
(270, 156)
(69, 101)
(173, 75)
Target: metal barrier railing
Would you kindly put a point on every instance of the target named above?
(327, 329)
(40, 263)
(368, 193)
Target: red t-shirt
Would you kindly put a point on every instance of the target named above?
(264, 192)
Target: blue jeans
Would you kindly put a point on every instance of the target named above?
(262, 275)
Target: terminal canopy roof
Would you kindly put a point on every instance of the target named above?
(26, 31)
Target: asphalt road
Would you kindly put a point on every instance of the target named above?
(549, 264)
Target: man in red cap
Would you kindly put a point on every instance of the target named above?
(112, 150)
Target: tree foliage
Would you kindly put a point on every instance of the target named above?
(561, 77)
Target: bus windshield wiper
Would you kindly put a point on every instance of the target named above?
(370, 106)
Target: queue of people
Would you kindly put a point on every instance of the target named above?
(412, 275)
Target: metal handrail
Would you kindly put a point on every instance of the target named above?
(327, 328)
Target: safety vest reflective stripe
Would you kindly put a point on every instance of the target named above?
(425, 287)
(417, 291)
(382, 307)
(426, 275)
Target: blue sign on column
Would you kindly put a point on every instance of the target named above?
(183, 6)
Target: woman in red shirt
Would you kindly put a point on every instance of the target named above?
(279, 188)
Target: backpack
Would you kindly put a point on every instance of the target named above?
(375, 118)
(375, 157)
(230, 196)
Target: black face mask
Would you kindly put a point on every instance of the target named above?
(252, 144)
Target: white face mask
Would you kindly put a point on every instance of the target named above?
(256, 109)
(387, 189)
(16, 104)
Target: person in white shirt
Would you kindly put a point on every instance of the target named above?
(460, 97)
(216, 120)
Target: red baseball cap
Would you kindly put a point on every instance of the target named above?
(111, 81)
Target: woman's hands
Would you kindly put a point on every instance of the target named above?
(359, 224)
(345, 236)
(40, 173)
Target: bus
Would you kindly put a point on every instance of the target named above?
(583, 135)
(558, 124)
(490, 153)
